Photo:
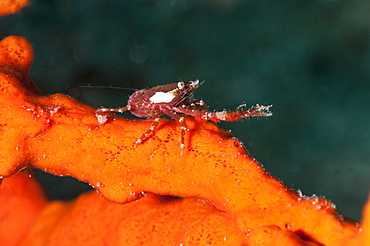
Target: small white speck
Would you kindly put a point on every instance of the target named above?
(54, 110)
(221, 115)
(315, 200)
(101, 118)
(243, 105)
(300, 193)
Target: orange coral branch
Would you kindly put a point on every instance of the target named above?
(153, 220)
(362, 238)
(91, 220)
(8, 7)
(21, 201)
(64, 137)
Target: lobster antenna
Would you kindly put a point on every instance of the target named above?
(106, 87)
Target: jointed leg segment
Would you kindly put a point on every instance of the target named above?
(225, 115)
(119, 110)
(152, 128)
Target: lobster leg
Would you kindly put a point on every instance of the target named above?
(225, 115)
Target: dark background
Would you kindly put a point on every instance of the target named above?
(309, 58)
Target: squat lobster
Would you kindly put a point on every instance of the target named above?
(176, 101)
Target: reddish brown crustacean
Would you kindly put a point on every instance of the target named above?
(176, 101)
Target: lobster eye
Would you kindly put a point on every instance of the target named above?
(181, 85)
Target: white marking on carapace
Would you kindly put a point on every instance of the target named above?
(163, 97)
